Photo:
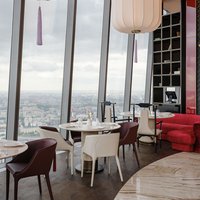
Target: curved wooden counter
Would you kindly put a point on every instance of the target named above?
(173, 177)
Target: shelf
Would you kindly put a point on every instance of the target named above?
(166, 69)
(157, 58)
(178, 24)
(166, 80)
(158, 87)
(166, 45)
(176, 18)
(166, 32)
(157, 34)
(167, 55)
(157, 81)
(166, 20)
(165, 50)
(158, 95)
(157, 69)
(175, 67)
(176, 80)
(176, 37)
(157, 46)
(176, 31)
(176, 55)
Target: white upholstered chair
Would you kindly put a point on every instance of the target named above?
(108, 113)
(101, 146)
(148, 128)
(62, 144)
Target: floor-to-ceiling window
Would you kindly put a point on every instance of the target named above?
(139, 67)
(116, 68)
(6, 8)
(87, 57)
(42, 66)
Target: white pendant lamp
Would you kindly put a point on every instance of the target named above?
(135, 16)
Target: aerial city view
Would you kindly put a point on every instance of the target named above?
(37, 109)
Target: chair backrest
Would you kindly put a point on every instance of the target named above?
(141, 105)
(108, 111)
(128, 132)
(52, 132)
(144, 122)
(39, 154)
(108, 114)
(101, 145)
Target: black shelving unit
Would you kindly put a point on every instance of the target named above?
(167, 57)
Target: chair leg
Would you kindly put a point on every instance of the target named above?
(155, 146)
(54, 163)
(138, 142)
(123, 152)
(15, 188)
(67, 158)
(39, 183)
(136, 155)
(82, 165)
(93, 169)
(7, 183)
(160, 142)
(119, 168)
(108, 165)
(49, 186)
(72, 162)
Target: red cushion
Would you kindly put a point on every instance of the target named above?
(186, 119)
(171, 126)
(182, 147)
(181, 137)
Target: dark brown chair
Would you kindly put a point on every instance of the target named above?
(35, 161)
(128, 135)
(75, 136)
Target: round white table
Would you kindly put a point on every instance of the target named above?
(159, 115)
(173, 177)
(85, 129)
(10, 148)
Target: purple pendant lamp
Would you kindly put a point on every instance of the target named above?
(39, 27)
(136, 53)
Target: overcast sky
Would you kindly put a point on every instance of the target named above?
(42, 66)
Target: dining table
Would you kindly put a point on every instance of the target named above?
(10, 148)
(159, 115)
(174, 177)
(88, 129)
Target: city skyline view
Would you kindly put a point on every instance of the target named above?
(37, 110)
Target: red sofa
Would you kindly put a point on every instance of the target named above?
(183, 131)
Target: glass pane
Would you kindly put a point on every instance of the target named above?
(139, 68)
(42, 67)
(117, 69)
(87, 57)
(6, 9)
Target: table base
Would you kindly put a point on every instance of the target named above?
(88, 167)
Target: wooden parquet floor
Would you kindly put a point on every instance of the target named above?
(67, 187)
